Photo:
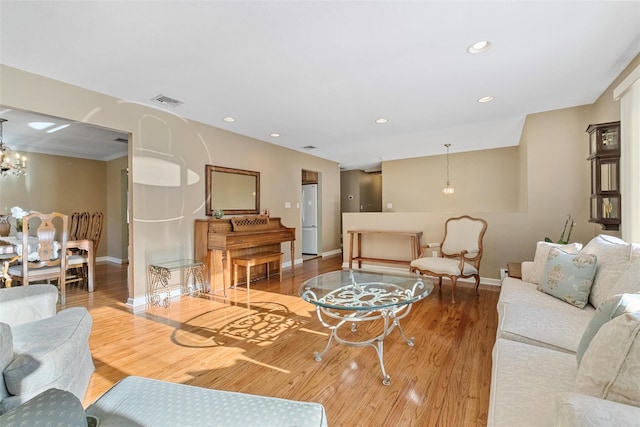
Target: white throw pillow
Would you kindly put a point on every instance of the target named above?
(614, 256)
(542, 253)
(610, 366)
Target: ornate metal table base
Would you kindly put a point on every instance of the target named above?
(390, 318)
(158, 276)
(365, 302)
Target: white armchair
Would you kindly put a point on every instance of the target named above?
(460, 253)
(40, 349)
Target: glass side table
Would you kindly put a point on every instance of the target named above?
(158, 275)
(354, 296)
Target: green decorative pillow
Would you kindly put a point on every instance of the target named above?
(568, 276)
(613, 307)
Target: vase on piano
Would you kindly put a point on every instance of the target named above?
(5, 227)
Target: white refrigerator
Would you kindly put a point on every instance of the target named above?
(310, 219)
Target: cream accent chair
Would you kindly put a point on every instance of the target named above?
(45, 259)
(460, 253)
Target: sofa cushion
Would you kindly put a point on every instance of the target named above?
(46, 349)
(6, 355)
(24, 304)
(568, 276)
(52, 407)
(610, 366)
(524, 382)
(611, 308)
(579, 410)
(629, 280)
(540, 259)
(552, 324)
(614, 256)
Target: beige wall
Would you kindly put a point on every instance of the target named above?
(486, 180)
(523, 192)
(60, 184)
(163, 217)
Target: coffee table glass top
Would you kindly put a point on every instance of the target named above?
(364, 290)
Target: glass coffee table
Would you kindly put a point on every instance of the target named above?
(354, 296)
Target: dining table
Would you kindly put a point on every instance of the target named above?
(10, 247)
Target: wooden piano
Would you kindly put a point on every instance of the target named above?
(217, 241)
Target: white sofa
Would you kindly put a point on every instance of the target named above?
(536, 377)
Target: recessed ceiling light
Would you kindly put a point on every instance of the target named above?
(274, 135)
(381, 121)
(486, 99)
(229, 119)
(479, 47)
(40, 125)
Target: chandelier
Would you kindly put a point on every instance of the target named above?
(10, 164)
(448, 189)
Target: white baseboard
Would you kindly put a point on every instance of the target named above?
(331, 253)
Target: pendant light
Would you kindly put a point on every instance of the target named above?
(448, 189)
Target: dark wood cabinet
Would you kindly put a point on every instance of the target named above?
(309, 177)
(604, 156)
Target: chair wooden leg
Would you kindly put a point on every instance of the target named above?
(440, 282)
(477, 284)
(453, 289)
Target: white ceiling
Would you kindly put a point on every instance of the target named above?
(320, 73)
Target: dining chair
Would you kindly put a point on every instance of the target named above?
(460, 253)
(44, 246)
(77, 260)
(78, 228)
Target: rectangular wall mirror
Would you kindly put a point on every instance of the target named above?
(234, 191)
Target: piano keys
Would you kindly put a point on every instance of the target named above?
(217, 241)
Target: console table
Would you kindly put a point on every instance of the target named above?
(414, 237)
(160, 273)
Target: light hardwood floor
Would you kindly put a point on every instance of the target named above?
(262, 342)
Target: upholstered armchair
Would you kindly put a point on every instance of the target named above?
(39, 348)
(460, 253)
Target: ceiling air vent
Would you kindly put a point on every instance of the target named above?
(165, 100)
(310, 147)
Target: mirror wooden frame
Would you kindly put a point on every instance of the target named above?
(245, 207)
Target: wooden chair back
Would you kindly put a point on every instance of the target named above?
(79, 228)
(464, 233)
(49, 248)
(95, 228)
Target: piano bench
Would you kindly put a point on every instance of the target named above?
(249, 261)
